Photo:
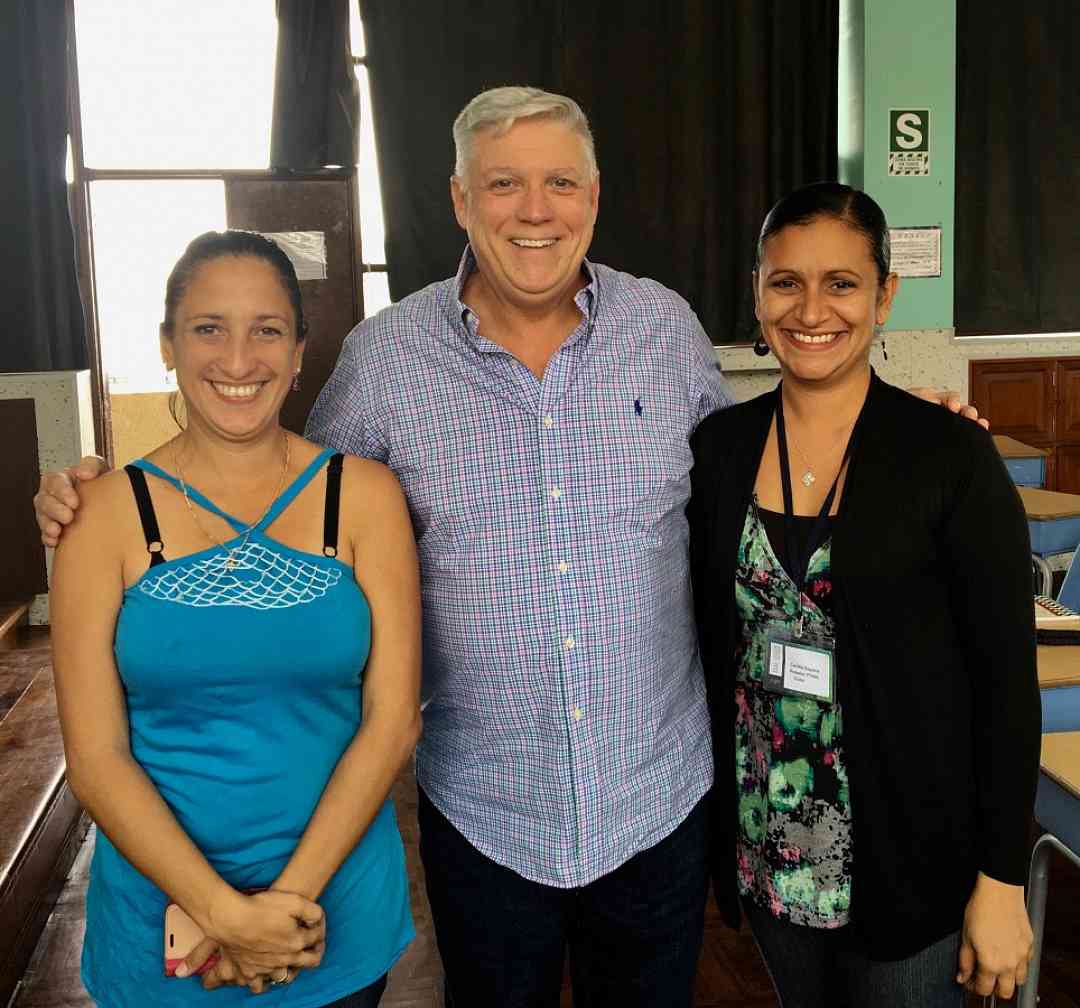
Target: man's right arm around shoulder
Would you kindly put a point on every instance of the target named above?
(58, 496)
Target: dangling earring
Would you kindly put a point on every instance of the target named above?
(296, 380)
(878, 330)
(761, 348)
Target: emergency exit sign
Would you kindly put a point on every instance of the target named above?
(909, 141)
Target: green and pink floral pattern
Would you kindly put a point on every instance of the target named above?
(794, 842)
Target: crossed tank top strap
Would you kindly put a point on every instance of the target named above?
(288, 495)
(136, 473)
(192, 493)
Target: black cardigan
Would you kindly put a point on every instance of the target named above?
(935, 660)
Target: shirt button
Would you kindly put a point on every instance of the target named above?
(569, 642)
(548, 421)
(556, 492)
(578, 713)
(562, 567)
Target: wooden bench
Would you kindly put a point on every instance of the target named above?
(12, 616)
(41, 824)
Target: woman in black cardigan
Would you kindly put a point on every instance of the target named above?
(877, 643)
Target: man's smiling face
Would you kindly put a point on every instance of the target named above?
(528, 204)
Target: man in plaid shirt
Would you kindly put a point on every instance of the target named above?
(536, 408)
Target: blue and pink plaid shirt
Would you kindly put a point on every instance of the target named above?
(566, 728)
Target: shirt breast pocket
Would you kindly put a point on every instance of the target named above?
(640, 469)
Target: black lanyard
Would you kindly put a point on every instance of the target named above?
(798, 566)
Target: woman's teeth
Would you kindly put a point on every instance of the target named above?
(800, 337)
(236, 391)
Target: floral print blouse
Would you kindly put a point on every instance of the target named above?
(794, 839)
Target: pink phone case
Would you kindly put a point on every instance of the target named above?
(182, 934)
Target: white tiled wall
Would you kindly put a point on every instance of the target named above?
(63, 413)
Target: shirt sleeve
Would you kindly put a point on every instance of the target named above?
(989, 558)
(344, 416)
(708, 386)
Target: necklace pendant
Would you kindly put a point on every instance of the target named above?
(230, 562)
(808, 478)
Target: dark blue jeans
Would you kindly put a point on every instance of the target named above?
(634, 935)
(821, 968)
(366, 998)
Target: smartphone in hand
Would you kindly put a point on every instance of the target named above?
(182, 934)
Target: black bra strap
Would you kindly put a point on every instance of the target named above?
(154, 545)
(333, 505)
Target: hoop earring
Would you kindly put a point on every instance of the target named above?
(761, 348)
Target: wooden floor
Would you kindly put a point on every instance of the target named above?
(730, 971)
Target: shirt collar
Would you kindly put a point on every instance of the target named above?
(585, 298)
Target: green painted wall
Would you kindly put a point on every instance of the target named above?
(908, 62)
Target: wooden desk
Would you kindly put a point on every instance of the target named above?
(1059, 665)
(1057, 810)
(1053, 520)
(1059, 687)
(1011, 448)
(1060, 760)
(1026, 464)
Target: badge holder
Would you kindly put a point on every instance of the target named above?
(802, 662)
(799, 664)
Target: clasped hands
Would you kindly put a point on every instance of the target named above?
(261, 939)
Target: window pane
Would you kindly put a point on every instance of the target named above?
(176, 83)
(376, 293)
(372, 238)
(140, 229)
(357, 41)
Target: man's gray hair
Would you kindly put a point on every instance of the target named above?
(501, 107)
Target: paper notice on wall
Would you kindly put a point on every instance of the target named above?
(306, 250)
(916, 251)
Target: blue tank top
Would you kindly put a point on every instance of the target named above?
(243, 689)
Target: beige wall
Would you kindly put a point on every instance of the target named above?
(140, 422)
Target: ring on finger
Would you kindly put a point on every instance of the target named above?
(286, 977)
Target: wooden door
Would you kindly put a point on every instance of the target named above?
(1037, 401)
(1018, 397)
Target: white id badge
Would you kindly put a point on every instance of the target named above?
(800, 666)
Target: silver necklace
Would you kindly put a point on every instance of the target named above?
(230, 561)
(808, 478)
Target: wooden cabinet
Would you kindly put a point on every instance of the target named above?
(1037, 401)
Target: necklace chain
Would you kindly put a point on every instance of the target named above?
(230, 559)
(808, 478)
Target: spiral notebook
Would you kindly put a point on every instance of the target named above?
(1055, 623)
(1051, 615)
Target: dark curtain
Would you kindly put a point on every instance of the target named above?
(704, 114)
(45, 329)
(316, 101)
(1018, 143)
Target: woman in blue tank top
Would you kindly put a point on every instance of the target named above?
(236, 636)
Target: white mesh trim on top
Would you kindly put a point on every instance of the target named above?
(259, 578)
